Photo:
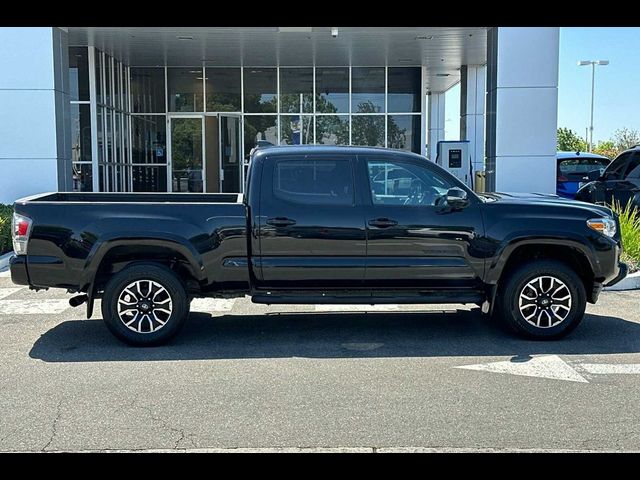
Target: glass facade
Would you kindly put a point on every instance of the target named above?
(80, 109)
(224, 90)
(138, 111)
(185, 88)
(113, 124)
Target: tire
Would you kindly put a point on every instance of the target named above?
(545, 317)
(171, 305)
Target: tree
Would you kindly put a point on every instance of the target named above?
(569, 141)
(606, 148)
(625, 138)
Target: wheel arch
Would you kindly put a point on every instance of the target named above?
(571, 253)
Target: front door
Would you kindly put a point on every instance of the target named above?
(311, 229)
(411, 240)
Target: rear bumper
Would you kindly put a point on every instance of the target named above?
(624, 269)
(18, 266)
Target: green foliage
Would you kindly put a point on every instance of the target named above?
(569, 141)
(629, 218)
(6, 213)
(606, 148)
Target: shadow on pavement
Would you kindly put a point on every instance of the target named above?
(344, 335)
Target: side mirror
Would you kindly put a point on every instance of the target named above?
(594, 175)
(457, 198)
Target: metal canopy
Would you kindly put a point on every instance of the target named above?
(443, 50)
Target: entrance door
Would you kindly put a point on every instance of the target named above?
(231, 171)
(186, 153)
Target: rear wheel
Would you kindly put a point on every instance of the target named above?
(145, 305)
(543, 299)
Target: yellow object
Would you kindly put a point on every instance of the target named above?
(479, 183)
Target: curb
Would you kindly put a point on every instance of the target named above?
(4, 261)
(630, 282)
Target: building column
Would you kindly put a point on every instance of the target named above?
(472, 97)
(436, 123)
(35, 151)
(522, 109)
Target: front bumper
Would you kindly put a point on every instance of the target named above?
(18, 266)
(624, 269)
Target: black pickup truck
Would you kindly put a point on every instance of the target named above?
(321, 225)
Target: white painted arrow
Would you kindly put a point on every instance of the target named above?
(550, 366)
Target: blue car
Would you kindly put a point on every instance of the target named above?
(573, 171)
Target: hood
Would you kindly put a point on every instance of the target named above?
(544, 199)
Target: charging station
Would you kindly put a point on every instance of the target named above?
(453, 155)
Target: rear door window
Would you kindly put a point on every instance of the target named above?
(314, 181)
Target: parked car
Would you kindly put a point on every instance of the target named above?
(573, 171)
(620, 182)
(313, 228)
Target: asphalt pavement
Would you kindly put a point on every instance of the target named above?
(290, 378)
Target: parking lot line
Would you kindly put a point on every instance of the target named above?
(33, 307)
(208, 305)
(5, 292)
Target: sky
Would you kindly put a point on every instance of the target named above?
(617, 85)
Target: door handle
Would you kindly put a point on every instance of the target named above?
(382, 222)
(281, 222)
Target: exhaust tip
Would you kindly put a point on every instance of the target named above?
(78, 300)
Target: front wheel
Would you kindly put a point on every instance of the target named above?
(543, 299)
(145, 305)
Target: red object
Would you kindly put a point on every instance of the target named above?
(22, 228)
(562, 179)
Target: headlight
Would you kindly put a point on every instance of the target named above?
(606, 226)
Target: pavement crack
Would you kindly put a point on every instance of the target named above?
(54, 426)
(179, 431)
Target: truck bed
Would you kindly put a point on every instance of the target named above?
(76, 197)
(73, 232)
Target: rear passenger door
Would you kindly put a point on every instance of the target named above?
(311, 229)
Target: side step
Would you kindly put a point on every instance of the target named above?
(332, 299)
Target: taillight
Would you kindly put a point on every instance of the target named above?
(562, 178)
(20, 229)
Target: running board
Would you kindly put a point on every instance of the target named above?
(430, 298)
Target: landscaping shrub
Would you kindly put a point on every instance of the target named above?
(630, 230)
(6, 212)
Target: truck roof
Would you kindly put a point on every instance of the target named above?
(310, 149)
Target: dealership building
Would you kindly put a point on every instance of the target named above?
(133, 109)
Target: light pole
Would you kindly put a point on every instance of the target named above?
(593, 64)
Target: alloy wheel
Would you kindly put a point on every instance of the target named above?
(545, 301)
(144, 306)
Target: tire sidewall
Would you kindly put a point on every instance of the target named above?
(510, 305)
(160, 274)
